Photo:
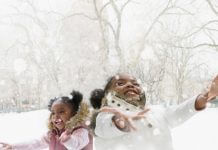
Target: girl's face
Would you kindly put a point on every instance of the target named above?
(126, 86)
(60, 114)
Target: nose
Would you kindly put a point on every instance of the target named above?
(129, 85)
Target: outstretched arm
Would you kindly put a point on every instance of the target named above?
(6, 146)
(211, 94)
(33, 144)
(111, 122)
(175, 115)
(105, 126)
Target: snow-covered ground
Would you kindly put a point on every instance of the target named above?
(198, 133)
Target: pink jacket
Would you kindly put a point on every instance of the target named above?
(80, 139)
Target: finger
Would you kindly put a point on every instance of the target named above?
(216, 78)
(64, 137)
(213, 91)
(7, 148)
(67, 131)
(213, 88)
(121, 124)
(211, 97)
(105, 108)
(108, 109)
(130, 124)
(144, 111)
(4, 144)
(138, 117)
(116, 112)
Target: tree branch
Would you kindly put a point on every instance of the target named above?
(212, 7)
(80, 14)
(195, 46)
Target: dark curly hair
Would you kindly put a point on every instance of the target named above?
(74, 100)
(98, 94)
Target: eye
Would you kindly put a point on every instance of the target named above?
(62, 112)
(135, 84)
(52, 114)
(120, 83)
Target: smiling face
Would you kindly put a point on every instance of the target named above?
(126, 86)
(60, 114)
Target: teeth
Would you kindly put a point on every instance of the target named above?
(58, 121)
(131, 92)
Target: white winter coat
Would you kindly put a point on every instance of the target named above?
(153, 133)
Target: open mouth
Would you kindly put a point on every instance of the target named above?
(58, 121)
(131, 92)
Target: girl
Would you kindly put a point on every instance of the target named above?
(67, 130)
(125, 122)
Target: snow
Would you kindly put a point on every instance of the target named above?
(198, 133)
(19, 65)
(18, 127)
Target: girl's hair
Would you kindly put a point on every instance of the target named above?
(74, 99)
(98, 94)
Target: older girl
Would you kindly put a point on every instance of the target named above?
(125, 122)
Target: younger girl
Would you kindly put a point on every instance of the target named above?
(67, 129)
(125, 122)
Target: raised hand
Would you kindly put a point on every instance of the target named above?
(6, 146)
(213, 90)
(141, 114)
(209, 95)
(65, 136)
(122, 121)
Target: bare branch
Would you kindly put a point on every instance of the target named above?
(80, 14)
(211, 29)
(122, 8)
(184, 10)
(110, 26)
(198, 30)
(195, 46)
(118, 14)
(103, 22)
(212, 7)
(35, 19)
(156, 20)
(102, 9)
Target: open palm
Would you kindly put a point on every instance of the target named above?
(125, 118)
(213, 90)
(6, 146)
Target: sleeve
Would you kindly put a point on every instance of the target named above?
(33, 144)
(105, 128)
(78, 140)
(176, 115)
